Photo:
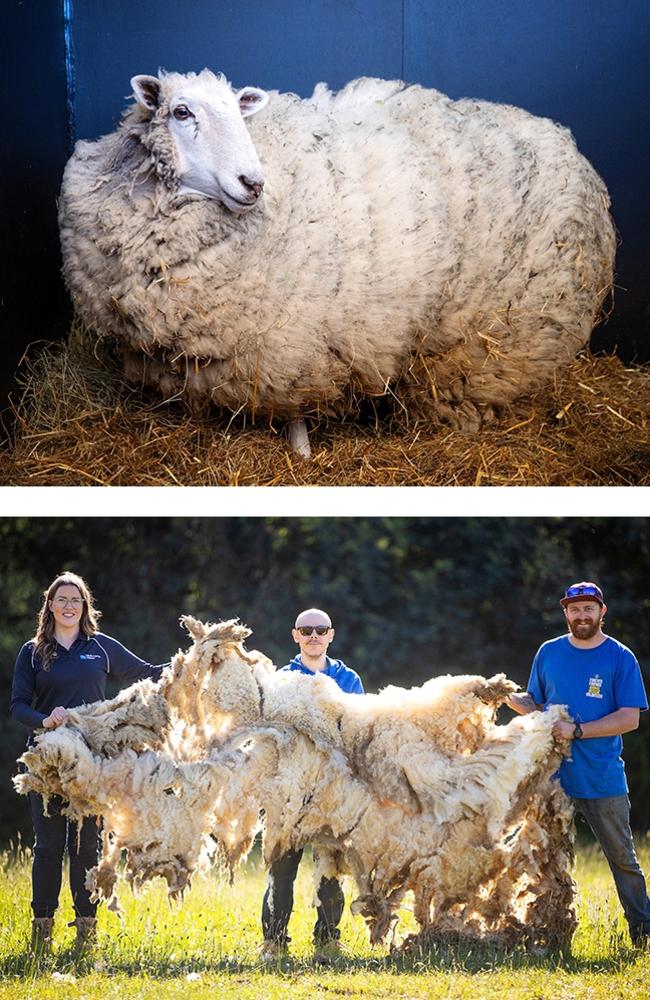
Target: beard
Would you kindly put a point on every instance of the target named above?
(585, 630)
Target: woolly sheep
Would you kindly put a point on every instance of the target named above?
(405, 790)
(384, 239)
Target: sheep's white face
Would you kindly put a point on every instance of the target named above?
(215, 153)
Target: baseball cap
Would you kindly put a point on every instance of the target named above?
(582, 592)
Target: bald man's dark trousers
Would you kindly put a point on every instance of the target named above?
(278, 902)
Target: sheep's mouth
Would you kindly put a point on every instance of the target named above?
(236, 204)
(232, 203)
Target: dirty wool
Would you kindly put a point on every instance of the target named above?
(408, 790)
(461, 248)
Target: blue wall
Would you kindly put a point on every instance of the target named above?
(582, 62)
(33, 149)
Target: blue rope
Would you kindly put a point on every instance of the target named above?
(403, 37)
(69, 75)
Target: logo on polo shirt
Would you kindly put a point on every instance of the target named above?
(90, 656)
(595, 684)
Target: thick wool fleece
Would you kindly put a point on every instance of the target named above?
(405, 790)
(396, 225)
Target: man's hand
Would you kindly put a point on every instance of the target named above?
(523, 704)
(563, 730)
(623, 720)
(56, 718)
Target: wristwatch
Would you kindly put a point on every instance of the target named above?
(577, 731)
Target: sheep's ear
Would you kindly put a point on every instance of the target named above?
(251, 100)
(147, 91)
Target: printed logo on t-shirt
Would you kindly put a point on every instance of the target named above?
(595, 684)
(90, 656)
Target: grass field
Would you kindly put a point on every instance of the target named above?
(208, 946)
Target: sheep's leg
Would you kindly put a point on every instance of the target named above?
(298, 438)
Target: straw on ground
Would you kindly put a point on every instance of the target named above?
(75, 422)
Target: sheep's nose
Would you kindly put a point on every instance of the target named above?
(254, 186)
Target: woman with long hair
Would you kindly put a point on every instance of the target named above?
(66, 665)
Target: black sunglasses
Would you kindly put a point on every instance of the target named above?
(308, 629)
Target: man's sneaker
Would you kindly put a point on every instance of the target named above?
(330, 952)
(273, 951)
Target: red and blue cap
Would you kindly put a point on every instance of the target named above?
(584, 591)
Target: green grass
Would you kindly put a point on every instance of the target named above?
(214, 937)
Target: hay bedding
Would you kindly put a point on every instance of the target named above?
(405, 790)
(77, 423)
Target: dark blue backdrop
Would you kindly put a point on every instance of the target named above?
(582, 62)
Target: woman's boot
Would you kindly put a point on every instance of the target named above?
(86, 932)
(42, 928)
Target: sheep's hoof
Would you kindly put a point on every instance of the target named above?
(298, 438)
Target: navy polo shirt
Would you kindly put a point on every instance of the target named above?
(76, 676)
(348, 680)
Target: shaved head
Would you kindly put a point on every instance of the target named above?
(313, 616)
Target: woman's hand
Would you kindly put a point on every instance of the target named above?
(56, 718)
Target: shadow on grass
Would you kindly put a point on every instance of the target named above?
(438, 958)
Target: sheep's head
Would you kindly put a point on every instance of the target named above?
(214, 155)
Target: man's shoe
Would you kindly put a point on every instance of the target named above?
(330, 952)
(273, 951)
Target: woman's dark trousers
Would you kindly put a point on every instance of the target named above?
(52, 833)
(278, 902)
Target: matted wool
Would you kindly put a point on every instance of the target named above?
(395, 225)
(406, 790)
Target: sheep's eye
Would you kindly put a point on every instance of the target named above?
(182, 113)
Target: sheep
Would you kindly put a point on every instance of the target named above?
(381, 240)
(405, 790)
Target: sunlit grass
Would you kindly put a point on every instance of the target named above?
(209, 944)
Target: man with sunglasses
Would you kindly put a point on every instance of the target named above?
(600, 681)
(313, 633)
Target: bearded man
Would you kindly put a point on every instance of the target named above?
(599, 680)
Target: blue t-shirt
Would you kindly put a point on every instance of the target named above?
(592, 683)
(348, 680)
